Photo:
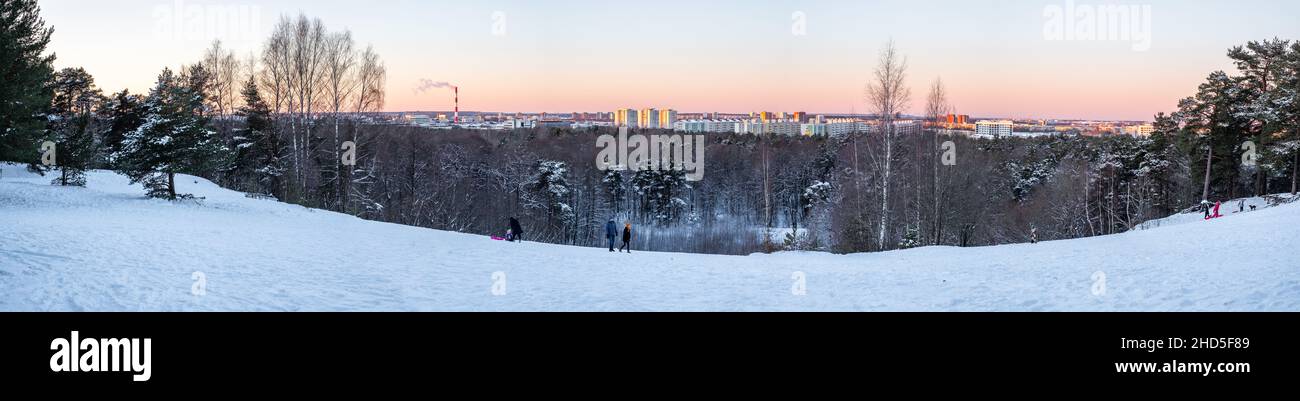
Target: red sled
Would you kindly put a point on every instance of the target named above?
(496, 238)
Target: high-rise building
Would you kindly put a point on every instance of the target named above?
(625, 118)
(648, 118)
(667, 118)
(958, 119)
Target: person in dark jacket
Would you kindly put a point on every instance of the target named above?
(611, 232)
(517, 230)
(627, 238)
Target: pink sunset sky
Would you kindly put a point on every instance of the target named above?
(996, 57)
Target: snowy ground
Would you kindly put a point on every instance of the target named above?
(106, 248)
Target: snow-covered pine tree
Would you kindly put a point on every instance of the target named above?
(552, 186)
(1262, 67)
(123, 113)
(1164, 166)
(1284, 151)
(175, 137)
(1214, 129)
(25, 71)
(911, 239)
(257, 146)
(72, 123)
(659, 190)
(615, 190)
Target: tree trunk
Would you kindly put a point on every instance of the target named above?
(934, 190)
(171, 186)
(338, 165)
(1295, 161)
(1209, 160)
(767, 190)
(1259, 180)
(1087, 199)
(884, 192)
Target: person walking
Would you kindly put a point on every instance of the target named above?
(611, 232)
(627, 238)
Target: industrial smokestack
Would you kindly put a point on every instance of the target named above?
(455, 116)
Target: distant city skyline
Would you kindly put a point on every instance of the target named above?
(996, 57)
(808, 113)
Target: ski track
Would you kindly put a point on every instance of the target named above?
(107, 248)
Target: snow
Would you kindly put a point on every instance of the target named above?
(107, 248)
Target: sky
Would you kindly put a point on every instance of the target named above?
(997, 58)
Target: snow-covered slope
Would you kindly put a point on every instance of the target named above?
(1195, 215)
(106, 248)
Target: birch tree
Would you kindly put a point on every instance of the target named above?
(887, 96)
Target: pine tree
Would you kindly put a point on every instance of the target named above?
(659, 190)
(911, 239)
(1214, 129)
(72, 122)
(1164, 165)
(615, 190)
(25, 73)
(175, 137)
(1285, 150)
(124, 114)
(1262, 65)
(257, 146)
(553, 187)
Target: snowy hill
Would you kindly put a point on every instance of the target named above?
(106, 248)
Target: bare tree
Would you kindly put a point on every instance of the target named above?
(371, 78)
(275, 71)
(340, 84)
(936, 108)
(368, 96)
(887, 96)
(224, 69)
(307, 50)
(340, 69)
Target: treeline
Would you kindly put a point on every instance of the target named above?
(757, 189)
(1243, 129)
